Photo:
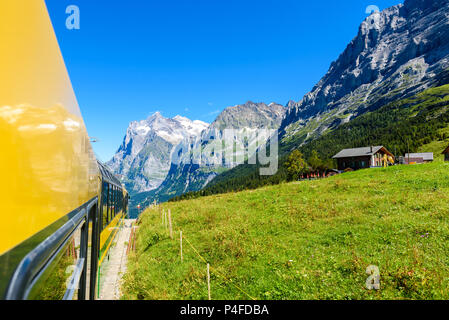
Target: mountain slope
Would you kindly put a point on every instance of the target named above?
(397, 53)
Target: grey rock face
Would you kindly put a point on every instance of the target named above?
(244, 119)
(397, 53)
(251, 115)
(143, 159)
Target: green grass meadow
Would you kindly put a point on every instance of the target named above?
(303, 240)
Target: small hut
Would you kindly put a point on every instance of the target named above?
(446, 154)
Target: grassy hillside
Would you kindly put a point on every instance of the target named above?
(306, 240)
(419, 123)
(178, 181)
(437, 146)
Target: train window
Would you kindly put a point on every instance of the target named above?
(119, 201)
(110, 204)
(113, 202)
(116, 197)
(116, 201)
(105, 206)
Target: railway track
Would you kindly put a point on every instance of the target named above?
(116, 266)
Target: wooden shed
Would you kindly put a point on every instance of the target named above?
(418, 158)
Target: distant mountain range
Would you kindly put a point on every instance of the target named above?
(396, 54)
(144, 162)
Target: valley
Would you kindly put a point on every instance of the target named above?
(291, 236)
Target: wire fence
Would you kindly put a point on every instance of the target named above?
(168, 224)
(214, 271)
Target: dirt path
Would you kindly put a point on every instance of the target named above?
(110, 290)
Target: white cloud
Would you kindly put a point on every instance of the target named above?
(213, 113)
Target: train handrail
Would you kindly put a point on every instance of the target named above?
(36, 262)
(75, 279)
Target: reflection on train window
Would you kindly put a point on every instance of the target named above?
(52, 285)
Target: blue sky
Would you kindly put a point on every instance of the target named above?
(196, 57)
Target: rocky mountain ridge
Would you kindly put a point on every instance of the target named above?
(397, 53)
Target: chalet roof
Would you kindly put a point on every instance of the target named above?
(358, 152)
(426, 156)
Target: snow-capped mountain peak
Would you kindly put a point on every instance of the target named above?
(147, 146)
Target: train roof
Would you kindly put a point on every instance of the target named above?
(108, 176)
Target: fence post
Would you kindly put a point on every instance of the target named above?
(208, 281)
(134, 240)
(180, 241)
(169, 224)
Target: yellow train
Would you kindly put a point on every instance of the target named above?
(61, 208)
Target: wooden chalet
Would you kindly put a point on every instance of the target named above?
(361, 158)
